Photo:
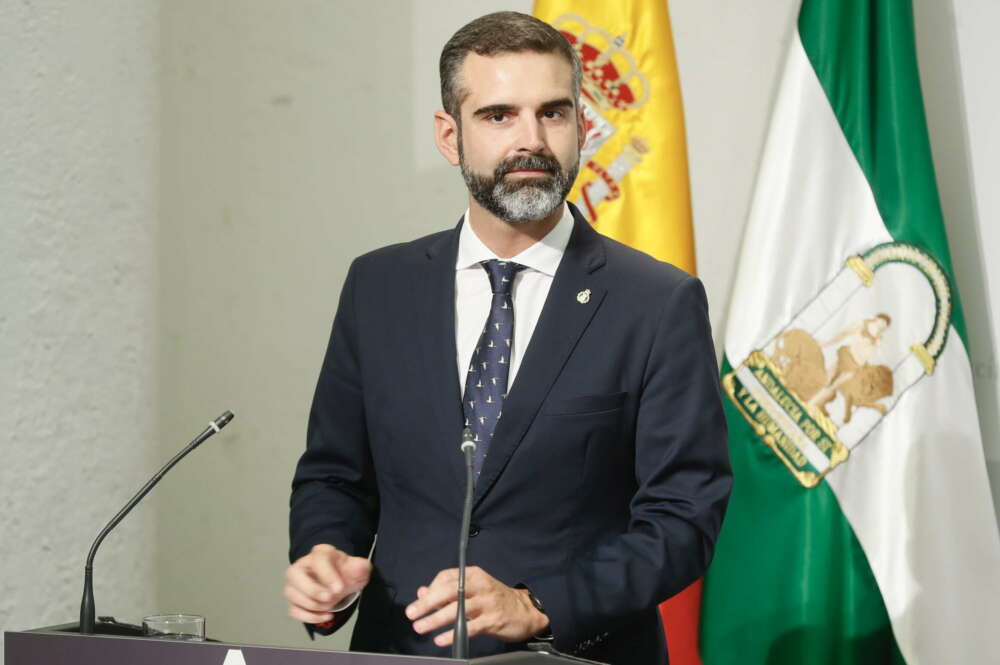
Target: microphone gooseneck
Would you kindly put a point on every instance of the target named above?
(87, 610)
(460, 645)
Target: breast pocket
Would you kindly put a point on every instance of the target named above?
(584, 404)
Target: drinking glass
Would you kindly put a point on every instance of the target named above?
(190, 627)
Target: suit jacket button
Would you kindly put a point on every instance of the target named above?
(473, 530)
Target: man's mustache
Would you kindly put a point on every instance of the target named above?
(527, 163)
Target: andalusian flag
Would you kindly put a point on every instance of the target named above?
(633, 182)
(861, 528)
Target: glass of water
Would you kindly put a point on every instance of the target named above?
(190, 627)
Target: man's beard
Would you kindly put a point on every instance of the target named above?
(521, 200)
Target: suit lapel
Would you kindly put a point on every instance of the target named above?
(440, 356)
(563, 319)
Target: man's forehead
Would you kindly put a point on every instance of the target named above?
(515, 77)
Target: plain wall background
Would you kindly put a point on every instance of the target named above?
(79, 130)
(292, 137)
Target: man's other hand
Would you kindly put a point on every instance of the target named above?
(492, 608)
(321, 580)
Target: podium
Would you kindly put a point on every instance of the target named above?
(62, 645)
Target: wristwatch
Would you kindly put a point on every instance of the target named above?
(545, 635)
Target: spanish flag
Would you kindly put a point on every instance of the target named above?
(633, 182)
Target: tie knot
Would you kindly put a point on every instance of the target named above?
(501, 274)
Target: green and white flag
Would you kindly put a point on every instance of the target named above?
(861, 527)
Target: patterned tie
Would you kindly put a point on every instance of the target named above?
(486, 382)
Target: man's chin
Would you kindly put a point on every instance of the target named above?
(519, 215)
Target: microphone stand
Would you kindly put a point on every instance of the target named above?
(460, 644)
(87, 610)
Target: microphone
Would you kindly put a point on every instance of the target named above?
(460, 645)
(87, 610)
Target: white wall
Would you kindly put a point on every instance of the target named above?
(78, 188)
(730, 56)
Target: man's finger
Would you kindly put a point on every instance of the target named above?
(323, 569)
(443, 617)
(445, 638)
(475, 626)
(306, 616)
(441, 592)
(475, 578)
(299, 599)
(299, 577)
(446, 576)
(355, 572)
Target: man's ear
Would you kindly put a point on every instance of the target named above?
(446, 136)
(581, 127)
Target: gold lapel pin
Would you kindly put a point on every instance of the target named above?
(583, 297)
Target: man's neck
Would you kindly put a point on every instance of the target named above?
(505, 239)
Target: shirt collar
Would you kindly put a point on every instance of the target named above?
(543, 256)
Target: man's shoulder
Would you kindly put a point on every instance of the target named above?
(639, 271)
(399, 254)
(648, 288)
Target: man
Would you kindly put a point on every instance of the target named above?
(592, 390)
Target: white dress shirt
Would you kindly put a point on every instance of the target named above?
(473, 294)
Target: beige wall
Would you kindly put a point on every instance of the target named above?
(79, 132)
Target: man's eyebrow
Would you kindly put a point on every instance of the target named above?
(557, 103)
(492, 109)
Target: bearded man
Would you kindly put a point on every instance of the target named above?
(584, 369)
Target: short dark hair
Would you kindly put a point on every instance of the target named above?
(500, 32)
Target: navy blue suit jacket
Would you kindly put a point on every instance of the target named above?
(607, 477)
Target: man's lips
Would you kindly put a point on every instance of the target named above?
(533, 173)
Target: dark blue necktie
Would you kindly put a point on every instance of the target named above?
(486, 381)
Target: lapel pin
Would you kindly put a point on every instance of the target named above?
(583, 297)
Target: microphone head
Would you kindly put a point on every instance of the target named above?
(467, 440)
(224, 419)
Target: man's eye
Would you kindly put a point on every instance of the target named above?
(552, 115)
(497, 117)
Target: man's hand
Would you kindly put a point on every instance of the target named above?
(492, 608)
(320, 580)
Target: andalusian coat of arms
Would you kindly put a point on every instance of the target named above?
(814, 391)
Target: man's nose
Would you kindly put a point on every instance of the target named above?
(532, 136)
